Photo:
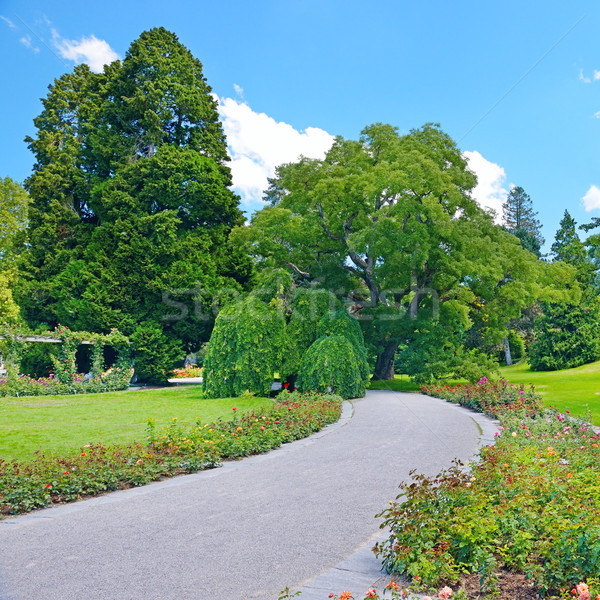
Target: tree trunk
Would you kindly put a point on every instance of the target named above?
(384, 365)
(507, 352)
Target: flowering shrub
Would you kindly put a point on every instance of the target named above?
(491, 397)
(294, 416)
(530, 506)
(397, 592)
(117, 378)
(188, 371)
(172, 450)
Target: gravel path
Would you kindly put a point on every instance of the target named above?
(243, 531)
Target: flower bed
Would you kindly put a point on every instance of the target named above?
(187, 372)
(112, 380)
(169, 451)
(527, 515)
(493, 398)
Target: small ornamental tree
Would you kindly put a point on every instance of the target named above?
(341, 323)
(309, 308)
(331, 365)
(245, 349)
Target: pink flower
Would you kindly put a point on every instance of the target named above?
(583, 591)
(371, 593)
(445, 593)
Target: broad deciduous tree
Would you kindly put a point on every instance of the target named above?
(389, 221)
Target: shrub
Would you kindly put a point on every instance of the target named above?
(565, 336)
(528, 506)
(331, 365)
(154, 354)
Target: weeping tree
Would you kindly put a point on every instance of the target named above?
(245, 349)
(309, 307)
(305, 336)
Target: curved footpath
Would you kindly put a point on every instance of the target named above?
(301, 516)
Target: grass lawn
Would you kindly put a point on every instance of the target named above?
(63, 423)
(577, 390)
(400, 383)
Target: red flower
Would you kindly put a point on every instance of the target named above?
(262, 428)
(83, 454)
(234, 408)
(48, 485)
(66, 473)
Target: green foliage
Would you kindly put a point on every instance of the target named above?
(309, 307)
(567, 246)
(154, 353)
(131, 206)
(527, 506)
(341, 323)
(245, 348)
(173, 450)
(529, 241)
(14, 207)
(517, 345)
(37, 361)
(331, 365)
(518, 214)
(566, 336)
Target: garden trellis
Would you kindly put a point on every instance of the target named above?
(13, 346)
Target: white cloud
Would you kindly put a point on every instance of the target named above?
(8, 22)
(258, 144)
(591, 200)
(239, 90)
(96, 53)
(597, 114)
(490, 192)
(583, 78)
(596, 75)
(26, 41)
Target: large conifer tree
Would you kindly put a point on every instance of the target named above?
(520, 218)
(131, 198)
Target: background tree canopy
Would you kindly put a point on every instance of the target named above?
(388, 222)
(130, 198)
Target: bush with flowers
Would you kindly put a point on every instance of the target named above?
(491, 397)
(528, 508)
(169, 451)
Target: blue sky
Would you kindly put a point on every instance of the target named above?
(516, 84)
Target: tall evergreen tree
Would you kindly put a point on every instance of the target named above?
(518, 214)
(131, 198)
(567, 246)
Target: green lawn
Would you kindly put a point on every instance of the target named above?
(63, 423)
(577, 390)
